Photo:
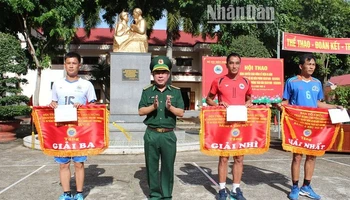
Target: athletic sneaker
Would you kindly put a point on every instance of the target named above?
(294, 193)
(79, 196)
(65, 197)
(309, 192)
(238, 195)
(222, 194)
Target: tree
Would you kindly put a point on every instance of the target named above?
(151, 10)
(188, 15)
(101, 74)
(252, 47)
(47, 27)
(13, 64)
(328, 18)
(228, 32)
(341, 96)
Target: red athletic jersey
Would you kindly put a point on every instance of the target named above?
(233, 92)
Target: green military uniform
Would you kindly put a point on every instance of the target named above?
(160, 139)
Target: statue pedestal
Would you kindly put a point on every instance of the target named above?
(130, 73)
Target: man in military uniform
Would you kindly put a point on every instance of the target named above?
(161, 103)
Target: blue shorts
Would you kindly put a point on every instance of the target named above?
(64, 160)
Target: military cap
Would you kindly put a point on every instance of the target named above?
(160, 63)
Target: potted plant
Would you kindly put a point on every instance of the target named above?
(341, 96)
(13, 64)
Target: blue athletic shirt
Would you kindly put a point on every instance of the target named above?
(303, 93)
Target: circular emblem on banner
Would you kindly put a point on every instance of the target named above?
(235, 132)
(241, 86)
(218, 69)
(307, 132)
(71, 132)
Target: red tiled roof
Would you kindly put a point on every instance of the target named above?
(341, 80)
(157, 38)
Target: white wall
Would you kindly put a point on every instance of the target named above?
(47, 76)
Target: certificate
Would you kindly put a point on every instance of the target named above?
(236, 114)
(338, 115)
(65, 113)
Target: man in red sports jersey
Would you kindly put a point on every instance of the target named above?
(231, 89)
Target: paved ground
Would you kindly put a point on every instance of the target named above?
(27, 174)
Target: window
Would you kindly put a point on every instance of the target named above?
(184, 61)
(91, 60)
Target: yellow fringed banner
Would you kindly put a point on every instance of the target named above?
(33, 136)
(221, 138)
(292, 132)
(307, 130)
(341, 141)
(89, 135)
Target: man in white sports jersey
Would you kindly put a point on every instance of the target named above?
(75, 91)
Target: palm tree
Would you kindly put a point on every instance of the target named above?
(101, 74)
(188, 15)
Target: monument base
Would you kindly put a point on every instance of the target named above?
(130, 73)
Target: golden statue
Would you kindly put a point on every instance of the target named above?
(121, 31)
(133, 38)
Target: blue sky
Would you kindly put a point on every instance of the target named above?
(160, 25)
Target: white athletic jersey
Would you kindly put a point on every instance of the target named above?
(79, 91)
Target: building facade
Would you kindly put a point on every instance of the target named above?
(186, 72)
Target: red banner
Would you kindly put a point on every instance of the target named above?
(307, 130)
(87, 136)
(221, 138)
(265, 74)
(306, 43)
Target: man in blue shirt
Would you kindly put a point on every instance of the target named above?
(304, 90)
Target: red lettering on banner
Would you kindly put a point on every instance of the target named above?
(307, 43)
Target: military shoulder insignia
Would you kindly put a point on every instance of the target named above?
(148, 86)
(175, 87)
